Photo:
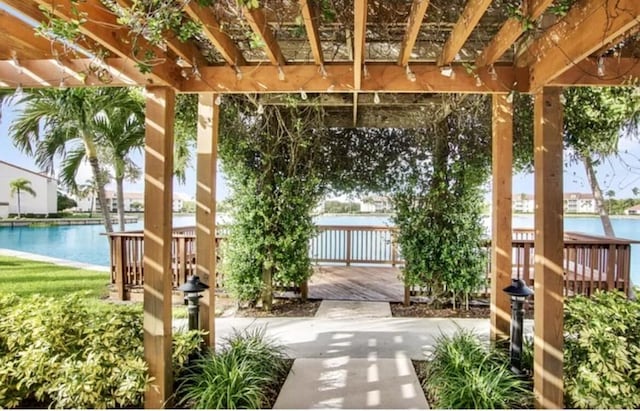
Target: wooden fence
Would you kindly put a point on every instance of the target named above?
(590, 262)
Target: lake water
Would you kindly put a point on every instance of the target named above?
(86, 244)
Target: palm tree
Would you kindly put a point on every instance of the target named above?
(65, 122)
(19, 185)
(122, 132)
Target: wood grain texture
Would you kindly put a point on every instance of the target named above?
(356, 283)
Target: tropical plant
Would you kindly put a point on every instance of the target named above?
(18, 186)
(88, 190)
(122, 132)
(242, 374)
(65, 202)
(69, 352)
(602, 351)
(465, 374)
(64, 122)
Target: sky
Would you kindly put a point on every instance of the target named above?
(620, 176)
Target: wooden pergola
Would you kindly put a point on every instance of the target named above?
(373, 51)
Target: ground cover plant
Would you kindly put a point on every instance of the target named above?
(246, 372)
(26, 277)
(465, 374)
(69, 352)
(602, 351)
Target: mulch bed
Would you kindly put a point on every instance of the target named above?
(427, 311)
(274, 390)
(283, 308)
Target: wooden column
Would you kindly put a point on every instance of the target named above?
(207, 153)
(548, 311)
(501, 236)
(158, 193)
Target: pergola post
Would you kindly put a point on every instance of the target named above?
(158, 195)
(207, 153)
(548, 275)
(501, 236)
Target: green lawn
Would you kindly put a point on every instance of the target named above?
(25, 277)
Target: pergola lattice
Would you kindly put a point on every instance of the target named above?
(367, 55)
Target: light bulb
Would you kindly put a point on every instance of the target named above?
(410, 74)
(238, 74)
(303, 95)
(492, 73)
(260, 109)
(280, 74)
(478, 81)
(376, 98)
(510, 97)
(446, 71)
(600, 67)
(19, 90)
(218, 100)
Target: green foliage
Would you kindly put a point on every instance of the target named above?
(341, 207)
(68, 353)
(242, 374)
(65, 202)
(465, 374)
(439, 206)
(602, 351)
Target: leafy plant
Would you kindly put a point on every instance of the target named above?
(465, 374)
(602, 351)
(69, 353)
(241, 375)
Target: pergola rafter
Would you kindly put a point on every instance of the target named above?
(349, 59)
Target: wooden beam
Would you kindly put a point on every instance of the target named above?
(470, 17)
(257, 19)
(23, 36)
(510, 31)
(355, 108)
(77, 73)
(311, 19)
(207, 154)
(548, 274)
(359, 39)
(418, 9)
(158, 194)
(186, 50)
(101, 26)
(385, 78)
(212, 30)
(617, 72)
(501, 235)
(588, 26)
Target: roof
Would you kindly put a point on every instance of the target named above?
(39, 174)
(634, 208)
(345, 47)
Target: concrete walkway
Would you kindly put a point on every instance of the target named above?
(354, 355)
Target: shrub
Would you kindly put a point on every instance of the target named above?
(465, 374)
(70, 353)
(243, 374)
(602, 352)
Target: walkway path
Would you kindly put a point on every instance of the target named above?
(354, 354)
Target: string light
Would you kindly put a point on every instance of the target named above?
(510, 96)
(260, 109)
(196, 72)
(365, 71)
(303, 94)
(63, 84)
(19, 90)
(600, 67)
(15, 62)
(238, 73)
(410, 74)
(218, 100)
(478, 81)
(280, 74)
(492, 73)
(447, 71)
(376, 98)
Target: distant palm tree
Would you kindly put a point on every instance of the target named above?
(19, 185)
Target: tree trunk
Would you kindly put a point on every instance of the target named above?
(93, 200)
(102, 196)
(597, 194)
(18, 193)
(120, 199)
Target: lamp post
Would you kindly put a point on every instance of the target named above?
(519, 292)
(192, 289)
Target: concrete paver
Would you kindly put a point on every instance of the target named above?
(334, 309)
(352, 383)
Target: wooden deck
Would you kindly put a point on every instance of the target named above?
(356, 283)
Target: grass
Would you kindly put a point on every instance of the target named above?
(27, 277)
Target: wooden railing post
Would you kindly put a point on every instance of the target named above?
(394, 249)
(120, 254)
(182, 262)
(348, 245)
(304, 290)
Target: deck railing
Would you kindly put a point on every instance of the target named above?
(590, 262)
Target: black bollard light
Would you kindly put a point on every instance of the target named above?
(192, 289)
(519, 292)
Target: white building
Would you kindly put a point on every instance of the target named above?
(523, 203)
(46, 188)
(133, 202)
(635, 210)
(579, 203)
